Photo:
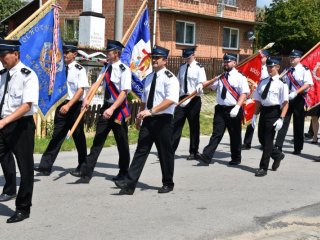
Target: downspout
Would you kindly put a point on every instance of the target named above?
(154, 23)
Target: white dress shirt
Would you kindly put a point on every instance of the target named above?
(77, 78)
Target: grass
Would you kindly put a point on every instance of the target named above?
(68, 145)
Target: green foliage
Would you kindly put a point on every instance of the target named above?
(291, 25)
(7, 7)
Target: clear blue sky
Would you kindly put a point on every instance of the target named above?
(262, 3)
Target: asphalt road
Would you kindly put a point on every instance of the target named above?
(208, 202)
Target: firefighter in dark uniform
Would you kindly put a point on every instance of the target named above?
(250, 130)
(67, 113)
(299, 80)
(161, 92)
(272, 99)
(19, 93)
(232, 89)
(190, 75)
(117, 85)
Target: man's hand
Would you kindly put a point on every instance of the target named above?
(108, 113)
(85, 104)
(3, 123)
(145, 113)
(234, 111)
(64, 109)
(199, 89)
(278, 124)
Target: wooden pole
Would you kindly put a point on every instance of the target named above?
(208, 83)
(29, 19)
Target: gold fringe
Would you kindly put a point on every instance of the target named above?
(52, 108)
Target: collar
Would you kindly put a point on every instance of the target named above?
(233, 71)
(72, 64)
(161, 71)
(116, 64)
(15, 68)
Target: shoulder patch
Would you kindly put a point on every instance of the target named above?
(305, 67)
(25, 71)
(78, 66)
(3, 71)
(169, 74)
(122, 67)
(199, 64)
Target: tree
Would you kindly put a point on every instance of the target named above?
(7, 7)
(291, 25)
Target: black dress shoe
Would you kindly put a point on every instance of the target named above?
(245, 147)
(204, 158)
(165, 189)
(18, 216)
(6, 197)
(276, 163)
(193, 156)
(43, 171)
(261, 173)
(308, 135)
(119, 177)
(121, 184)
(126, 191)
(83, 179)
(75, 172)
(296, 152)
(234, 163)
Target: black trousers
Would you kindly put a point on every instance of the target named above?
(9, 172)
(248, 136)
(296, 108)
(269, 115)
(62, 124)
(221, 122)
(158, 130)
(120, 132)
(192, 113)
(18, 138)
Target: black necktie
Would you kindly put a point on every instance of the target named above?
(107, 94)
(224, 89)
(266, 90)
(151, 93)
(291, 71)
(67, 69)
(5, 91)
(186, 80)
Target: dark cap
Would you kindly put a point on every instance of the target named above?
(187, 52)
(160, 51)
(295, 54)
(265, 53)
(114, 45)
(9, 45)
(272, 61)
(70, 46)
(228, 57)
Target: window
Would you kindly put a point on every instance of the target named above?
(185, 33)
(71, 29)
(230, 38)
(228, 2)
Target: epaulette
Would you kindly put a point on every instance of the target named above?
(169, 74)
(25, 71)
(3, 71)
(199, 64)
(78, 66)
(122, 67)
(305, 67)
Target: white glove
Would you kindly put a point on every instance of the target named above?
(292, 95)
(234, 111)
(278, 124)
(199, 89)
(254, 121)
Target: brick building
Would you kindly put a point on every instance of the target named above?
(214, 26)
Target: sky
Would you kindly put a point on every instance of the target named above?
(262, 3)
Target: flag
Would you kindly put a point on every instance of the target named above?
(312, 61)
(136, 53)
(252, 70)
(41, 50)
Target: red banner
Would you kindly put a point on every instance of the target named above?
(252, 70)
(312, 61)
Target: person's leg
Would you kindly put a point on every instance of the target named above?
(177, 126)
(315, 126)
(193, 116)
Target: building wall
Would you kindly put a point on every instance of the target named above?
(208, 30)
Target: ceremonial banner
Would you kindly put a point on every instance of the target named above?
(41, 50)
(136, 53)
(252, 70)
(312, 61)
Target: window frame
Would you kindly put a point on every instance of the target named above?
(185, 32)
(75, 27)
(238, 38)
